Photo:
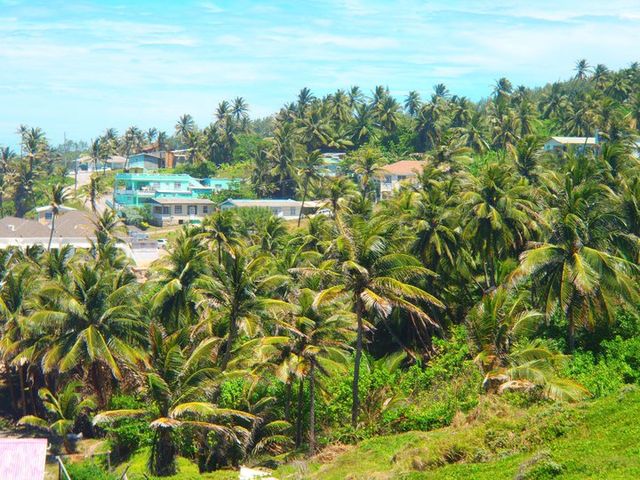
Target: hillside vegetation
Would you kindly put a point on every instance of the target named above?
(596, 439)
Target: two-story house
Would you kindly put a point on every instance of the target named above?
(393, 175)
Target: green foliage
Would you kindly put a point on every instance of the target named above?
(89, 471)
(127, 435)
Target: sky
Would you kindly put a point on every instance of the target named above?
(75, 68)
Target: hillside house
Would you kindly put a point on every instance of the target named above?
(392, 176)
(179, 211)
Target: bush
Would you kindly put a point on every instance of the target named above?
(127, 435)
(88, 471)
(539, 467)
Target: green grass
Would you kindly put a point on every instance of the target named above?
(187, 470)
(592, 440)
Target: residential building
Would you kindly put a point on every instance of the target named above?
(331, 162)
(45, 214)
(72, 227)
(178, 211)
(287, 209)
(136, 189)
(148, 160)
(395, 174)
(561, 144)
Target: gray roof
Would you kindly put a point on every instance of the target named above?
(182, 201)
(14, 227)
(75, 224)
(267, 202)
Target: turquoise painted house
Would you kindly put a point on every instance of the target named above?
(136, 189)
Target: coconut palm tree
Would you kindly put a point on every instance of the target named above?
(375, 279)
(221, 229)
(500, 326)
(58, 195)
(236, 295)
(89, 324)
(7, 156)
(63, 411)
(582, 69)
(177, 384)
(309, 171)
(412, 103)
(184, 126)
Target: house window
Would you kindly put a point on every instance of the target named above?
(177, 185)
(193, 210)
(157, 209)
(401, 177)
(205, 209)
(165, 210)
(292, 211)
(48, 215)
(387, 178)
(178, 209)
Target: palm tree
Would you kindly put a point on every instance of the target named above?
(221, 229)
(89, 323)
(309, 171)
(319, 335)
(412, 103)
(184, 126)
(367, 165)
(500, 326)
(7, 156)
(525, 155)
(58, 195)
(176, 296)
(94, 190)
(236, 295)
(574, 271)
(375, 278)
(63, 410)
(239, 109)
(582, 69)
(178, 383)
(305, 98)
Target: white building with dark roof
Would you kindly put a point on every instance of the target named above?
(560, 144)
(284, 208)
(179, 211)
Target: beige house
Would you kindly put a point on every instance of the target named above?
(560, 144)
(394, 174)
(284, 208)
(178, 211)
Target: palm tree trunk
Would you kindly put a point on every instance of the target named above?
(7, 369)
(312, 408)
(233, 332)
(163, 454)
(287, 400)
(355, 395)
(23, 397)
(300, 412)
(304, 197)
(53, 226)
(571, 329)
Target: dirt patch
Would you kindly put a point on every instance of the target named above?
(329, 453)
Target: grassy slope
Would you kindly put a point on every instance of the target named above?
(592, 440)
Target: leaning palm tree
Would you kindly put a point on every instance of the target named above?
(375, 278)
(57, 196)
(177, 384)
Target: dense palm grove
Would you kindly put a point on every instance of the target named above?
(254, 337)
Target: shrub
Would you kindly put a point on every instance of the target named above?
(127, 435)
(539, 467)
(88, 471)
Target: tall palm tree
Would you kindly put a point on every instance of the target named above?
(367, 165)
(236, 294)
(574, 272)
(309, 171)
(239, 109)
(376, 280)
(184, 126)
(58, 195)
(7, 156)
(582, 69)
(221, 229)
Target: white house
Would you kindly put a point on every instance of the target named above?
(394, 174)
(178, 211)
(560, 144)
(286, 208)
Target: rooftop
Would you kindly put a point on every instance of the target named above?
(182, 201)
(575, 140)
(265, 202)
(404, 167)
(14, 227)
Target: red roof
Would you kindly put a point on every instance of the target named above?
(404, 167)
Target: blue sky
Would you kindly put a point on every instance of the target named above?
(80, 67)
